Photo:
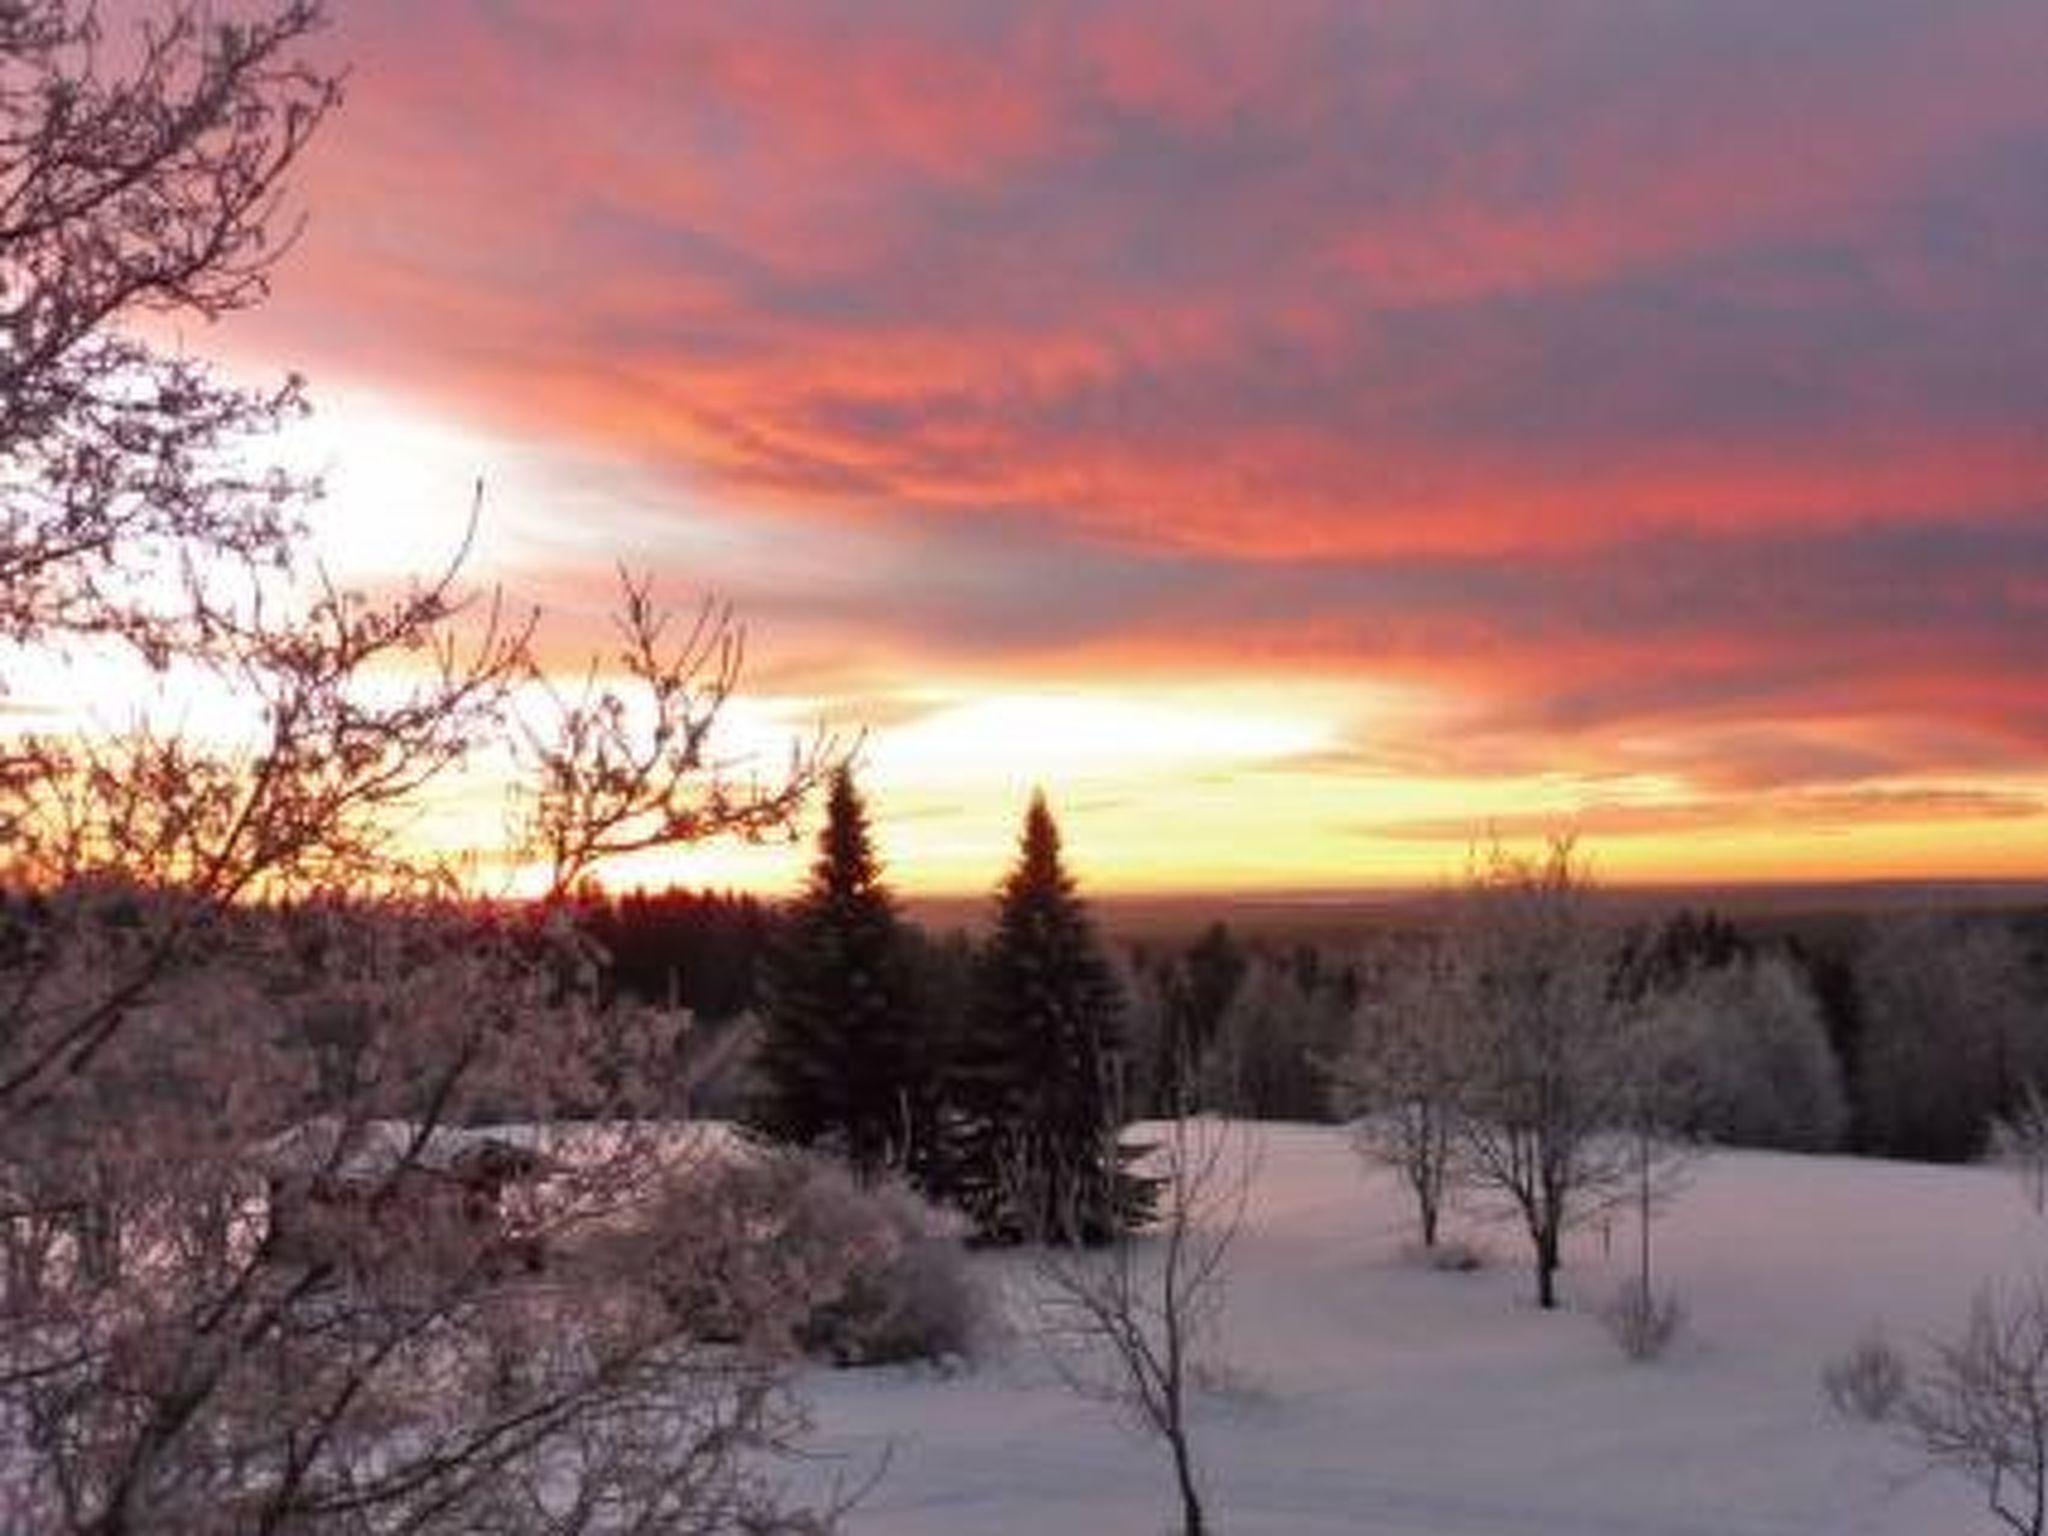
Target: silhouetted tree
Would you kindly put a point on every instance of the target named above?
(1268, 1061)
(1195, 994)
(1664, 957)
(700, 950)
(1041, 1063)
(843, 1061)
(1950, 1035)
(1828, 963)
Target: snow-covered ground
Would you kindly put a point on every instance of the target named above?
(1373, 1396)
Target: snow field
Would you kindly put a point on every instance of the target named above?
(1364, 1393)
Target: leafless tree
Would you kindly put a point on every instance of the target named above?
(1134, 1322)
(1405, 1076)
(1642, 1319)
(141, 171)
(245, 1025)
(2020, 1141)
(1552, 1055)
(623, 767)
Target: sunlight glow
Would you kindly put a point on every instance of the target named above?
(1024, 740)
(1164, 779)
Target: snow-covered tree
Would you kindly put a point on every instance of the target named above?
(1406, 1075)
(1745, 1057)
(1553, 1055)
(262, 1270)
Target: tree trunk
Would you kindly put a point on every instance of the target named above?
(1192, 1522)
(1643, 1195)
(1546, 1268)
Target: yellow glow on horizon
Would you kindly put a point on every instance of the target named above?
(1204, 791)
(1257, 817)
(1175, 782)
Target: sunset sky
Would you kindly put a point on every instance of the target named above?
(1299, 435)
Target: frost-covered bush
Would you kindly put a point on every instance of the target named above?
(1867, 1382)
(220, 1313)
(1448, 1255)
(1643, 1321)
(908, 1296)
(869, 1274)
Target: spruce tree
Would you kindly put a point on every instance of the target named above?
(844, 1060)
(1036, 1084)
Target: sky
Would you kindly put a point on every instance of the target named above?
(1299, 436)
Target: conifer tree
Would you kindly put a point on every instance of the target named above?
(1037, 1082)
(844, 1060)
(1199, 988)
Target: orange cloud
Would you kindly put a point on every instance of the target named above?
(1653, 386)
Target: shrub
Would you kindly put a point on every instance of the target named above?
(1977, 1405)
(2019, 1141)
(908, 1296)
(869, 1273)
(1867, 1382)
(1642, 1321)
(1449, 1256)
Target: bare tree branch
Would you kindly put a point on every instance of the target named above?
(1134, 1322)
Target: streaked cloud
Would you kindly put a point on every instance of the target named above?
(1824, 812)
(1631, 391)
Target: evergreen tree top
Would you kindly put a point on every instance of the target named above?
(1044, 941)
(846, 864)
(1036, 1067)
(1039, 872)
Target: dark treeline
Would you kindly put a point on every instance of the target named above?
(1939, 1022)
(700, 950)
(1902, 1035)
(1240, 1027)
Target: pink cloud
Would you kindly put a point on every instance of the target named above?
(1420, 336)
